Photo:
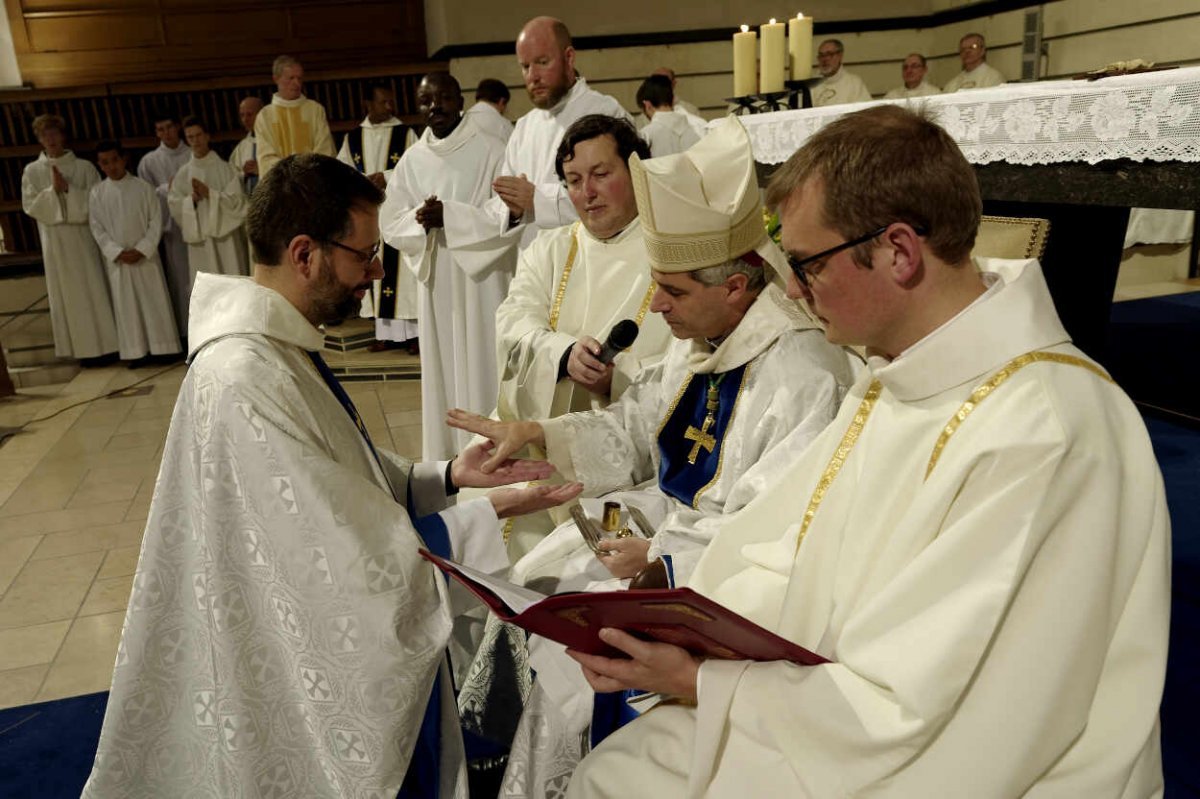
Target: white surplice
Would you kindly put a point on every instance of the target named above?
(286, 127)
(841, 87)
(376, 145)
(212, 227)
(158, 168)
(462, 281)
(126, 215)
(991, 583)
(81, 311)
(283, 634)
(983, 76)
(922, 89)
(671, 132)
(489, 119)
(246, 150)
(531, 150)
(791, 389)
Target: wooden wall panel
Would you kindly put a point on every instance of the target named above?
(65, 33)
(202, 28)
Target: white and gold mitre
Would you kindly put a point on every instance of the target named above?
(701, 207)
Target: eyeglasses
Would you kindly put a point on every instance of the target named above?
(828, 53)
(966, 48)
(807, 269)
(364, 256)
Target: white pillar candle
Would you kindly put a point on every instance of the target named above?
(800, 43)
(773, 58)
(745, 62)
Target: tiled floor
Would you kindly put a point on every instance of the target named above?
(74, 494)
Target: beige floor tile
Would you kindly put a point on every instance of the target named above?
(157, 427)
(153, 413)
(407, 441)
(139, 509)
(28, 646)
(402, 418)
(92, 539)
(138, 441)
(119, 562)
(108, 484)
(13, 555)
(7, 488)
(80, 441)
(49, 590)
(62, 520)
(85, 662)
(38, 493)
(107, 596)
(20, 686)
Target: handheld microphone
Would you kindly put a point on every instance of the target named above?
(621, 337)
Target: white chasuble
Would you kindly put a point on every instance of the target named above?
(531, 150)
(841, 87)
(211, 227)
(984, 76)
(462, 275)
(990, 580)
(286, 127)
(783, 383)
(126, 215)
(158, 168)
(488, 119)
(922, 89)
(246, 150)
(283, 634)
(671, 132)
(81, 312)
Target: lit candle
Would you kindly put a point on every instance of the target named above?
(773, 58)
(745, 62)
(800, 39)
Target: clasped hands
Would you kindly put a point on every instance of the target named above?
(487, 464)
(430, 215)
(516, 192)
(199, 190)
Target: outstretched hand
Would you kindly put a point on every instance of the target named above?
(508, 437)
(531, 499)
(651, 666)
(466, 471)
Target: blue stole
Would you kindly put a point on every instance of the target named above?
(676, 477)
(423, 776)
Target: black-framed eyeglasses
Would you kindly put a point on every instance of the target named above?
(364, 256)
(807, 269)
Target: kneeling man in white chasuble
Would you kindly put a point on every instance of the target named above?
(979, 542)
(284, 637)
(573, 284)
(749, 381)
(433, 216)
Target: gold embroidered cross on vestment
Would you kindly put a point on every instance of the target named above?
(702, 437)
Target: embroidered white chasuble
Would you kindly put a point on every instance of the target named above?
(997, 615)
(81, 311)
(286, 127)
(462, 271)
(211, 227)
(282, 634)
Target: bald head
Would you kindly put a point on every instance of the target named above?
(547, 60)
(248, 110)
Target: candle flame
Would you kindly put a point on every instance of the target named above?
(800, 15)
(745, 29)
(772, 21)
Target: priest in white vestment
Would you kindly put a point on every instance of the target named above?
(838, 85)
(126, 221)
(158, 168)
(244, 157)
(749, 381)
(976, 72)
(54, 191)
(283, 636)
(374, 148)
(491, 103)
(209, 206)
(573, 284)
(979, 543)
(433, 216)
(913, 71)
(670, 131)
(292, 123)
(528, 190)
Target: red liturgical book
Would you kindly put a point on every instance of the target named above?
(677, 616)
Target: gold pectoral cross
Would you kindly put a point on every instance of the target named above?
(702, 437)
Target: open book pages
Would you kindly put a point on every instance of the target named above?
(517, 597)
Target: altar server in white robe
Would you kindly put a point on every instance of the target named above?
(374, 148)
(976, 73)
(912, 72)
(529, 191)
(244, 157)
(158, 168)
(209, 206)
(54, 191)
(283, 636)
(126, 221)
(291, 123)
(699, 435)
(838, 85)
(979, 543)
(488, 111)
(433, 206)
(670, 131)
(572, 285)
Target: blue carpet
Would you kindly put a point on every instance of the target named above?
(1146, 339)
(46, 750)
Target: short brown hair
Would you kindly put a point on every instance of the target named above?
(888, 164)
(44, 121)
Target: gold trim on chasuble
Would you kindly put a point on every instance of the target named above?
(291, 132)
(977, 396)
(556, 306)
